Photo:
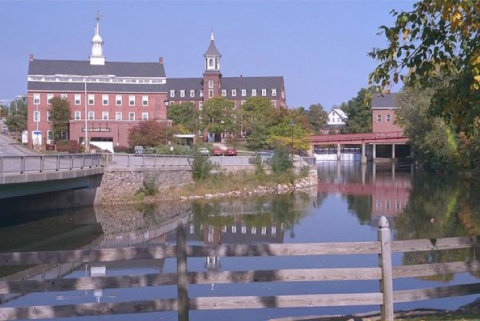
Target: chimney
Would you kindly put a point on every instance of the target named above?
(241, 75)
(160, 60)
(30, 58)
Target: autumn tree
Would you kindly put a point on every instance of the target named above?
(436, 45)
(59, 117)
(147, 133)
(219, 116)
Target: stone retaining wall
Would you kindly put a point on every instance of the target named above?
(119, 185)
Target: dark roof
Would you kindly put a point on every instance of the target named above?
(252, 82)
(385, 101)
(184, 83)
(212, 50)
(96, 87)
(83, 68)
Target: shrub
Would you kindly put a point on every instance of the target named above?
(120, 149)
(281, 160)
(201, 166)
(70, 146)
(150, 186)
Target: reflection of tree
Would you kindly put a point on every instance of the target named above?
(435, 210)
(361, 207)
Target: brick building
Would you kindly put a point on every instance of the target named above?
(383, 114)
(109, 98)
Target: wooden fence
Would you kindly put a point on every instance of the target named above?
(385, 273)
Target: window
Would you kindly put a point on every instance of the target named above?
(234, 229)
(131, 100)
(63, 96)
(105, 100)
(242, 102)
(36, 116)
(210, 93)
(131, 116)
(274, 230)
(244, 229)
(105, 115)
(264, 92)
(172, 93)
(36, 99)
(200, 105)
(144, 116)
(118, 100)
(78, 115)
(234, 92)
(201, 93)
(387, 118)
(91, 115)
(118, 115)
(274, 103)
(145, 100)
(78, 99)
(49, 117)
(49, 99)
(182, 93)
(210, 84)
(244, 92)
(224, 93)
(49, 135)
(192, 93)
(379, 118)
(254, 92)
(63, 135)
(91, 99)
(274, 92)
(254, 230)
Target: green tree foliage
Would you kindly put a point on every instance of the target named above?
(284, 134)
(219, 115)
(281, 161)
(258, 138)
(317, 117)
(434, 142)
(60, 116)
(3, 111)
(438, 45)
(255, 111)
(359, 112)
(17, 119)
(147, 133)
(185, 115)
(201, 166)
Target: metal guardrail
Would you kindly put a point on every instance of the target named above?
(41, 163)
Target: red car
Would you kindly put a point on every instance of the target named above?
(231, 152)
(217, 152)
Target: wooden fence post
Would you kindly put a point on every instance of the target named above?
(182, 281)
(385, 263)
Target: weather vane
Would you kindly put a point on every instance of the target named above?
(98, 16)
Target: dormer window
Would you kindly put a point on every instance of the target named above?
(182, 93)
(234, 92)
(224, 93)
(192, 93)
(264, 92)
(244, 92)
(274, 92)
(254, 92)
(172, 93)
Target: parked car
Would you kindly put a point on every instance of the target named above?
(217, 152)
(204, 151)
(138, 150)
(231, 152)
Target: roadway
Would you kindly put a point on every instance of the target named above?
(10, 147)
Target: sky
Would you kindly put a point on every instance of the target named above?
(319, 47)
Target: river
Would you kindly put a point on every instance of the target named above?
(347, 206)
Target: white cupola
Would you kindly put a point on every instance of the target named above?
(212, 56)
(97, 57)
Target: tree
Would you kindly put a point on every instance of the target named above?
(359, 112)
(317, 117)
(219, 116)
(147, 133)
(60, 116)
(17, 121)
(184, 114)
(255, 111)
(438, 45)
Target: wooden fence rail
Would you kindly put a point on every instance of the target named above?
(384, 273)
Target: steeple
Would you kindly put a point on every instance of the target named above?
(212, 56)
(97, 57)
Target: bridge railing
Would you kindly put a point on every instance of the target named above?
(41, 163)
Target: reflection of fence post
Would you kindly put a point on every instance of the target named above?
(182, 282)
(385, 263)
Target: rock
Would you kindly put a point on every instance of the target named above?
(183, 198)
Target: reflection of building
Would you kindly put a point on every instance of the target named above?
(390, 196)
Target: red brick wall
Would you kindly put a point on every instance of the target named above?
(383, 125)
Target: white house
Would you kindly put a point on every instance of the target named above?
(336, 117)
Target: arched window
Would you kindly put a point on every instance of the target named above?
(210, 84)
(210, 62)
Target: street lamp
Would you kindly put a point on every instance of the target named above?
(87, 145)
(292, 123)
